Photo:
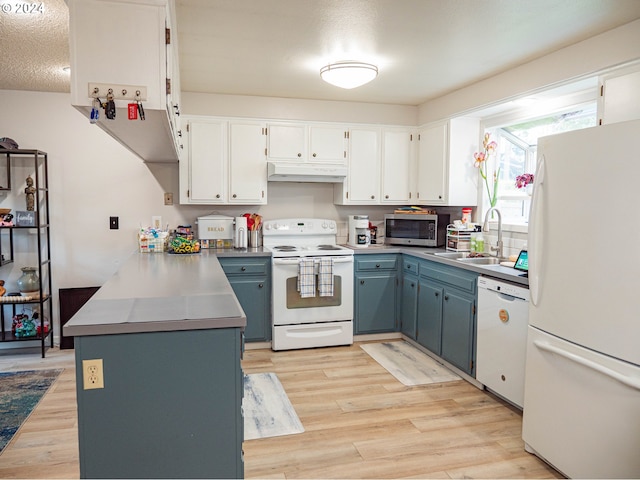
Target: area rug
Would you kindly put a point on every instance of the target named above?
(20, 392)
(267, 409)
(408, 364)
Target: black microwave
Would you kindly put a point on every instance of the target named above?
(422, 230)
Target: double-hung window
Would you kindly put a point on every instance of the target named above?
(517, 152)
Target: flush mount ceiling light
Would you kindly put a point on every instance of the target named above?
(348, 74)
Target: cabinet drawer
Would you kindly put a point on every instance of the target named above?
(410, 265)
(457, 277)
(241, 266)
(377, 263)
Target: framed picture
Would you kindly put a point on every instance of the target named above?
(25, 219)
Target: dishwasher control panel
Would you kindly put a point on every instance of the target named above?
(503, 287)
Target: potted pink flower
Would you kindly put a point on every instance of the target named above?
(525, 181)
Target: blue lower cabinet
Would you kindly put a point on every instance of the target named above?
(446, 313)
(429, 333)
(409, 305)
(458, 330)
(250, 278)
(376, 294)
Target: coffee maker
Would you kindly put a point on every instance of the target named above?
(359, 233)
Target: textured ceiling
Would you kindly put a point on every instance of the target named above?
(34, 46)
(423, 48)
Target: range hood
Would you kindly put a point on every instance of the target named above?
(306, 172)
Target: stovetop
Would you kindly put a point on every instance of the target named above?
(296, 237)
(308, 250)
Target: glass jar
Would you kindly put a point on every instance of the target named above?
(466, 217)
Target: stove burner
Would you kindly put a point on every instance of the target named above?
(328, 247)
(285, 248)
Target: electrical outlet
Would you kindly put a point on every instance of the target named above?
(92, 374)
(168, 198)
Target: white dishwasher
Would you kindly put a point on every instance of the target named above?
(503, 317)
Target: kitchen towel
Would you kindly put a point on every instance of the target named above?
(306, 278)
(325, 277)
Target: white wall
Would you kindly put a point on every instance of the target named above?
(297, 109)
(587, 58)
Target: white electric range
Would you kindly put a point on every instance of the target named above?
(312, 293)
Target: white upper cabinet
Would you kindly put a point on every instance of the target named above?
(397, 163)
(247, 163)
(203, 174)
(128, 45)
(362, 185)
(224, 163)
(328, 144)
(287, 142)
(620, 97)
(301, 142)
(445, 169)
(431, 165)
(380, 167)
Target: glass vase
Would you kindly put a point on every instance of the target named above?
(29, 283)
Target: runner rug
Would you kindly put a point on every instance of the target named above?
(20, 392)
(408, 364)
(267, 409)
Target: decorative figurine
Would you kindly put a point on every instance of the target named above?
(30, 191)
(2, 289)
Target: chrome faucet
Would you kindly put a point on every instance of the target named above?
(485, 228)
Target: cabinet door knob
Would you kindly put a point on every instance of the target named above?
(437, 294)
(234, 195)
(377, 265)
(260, 285)
(299, 155)
(361, 282)
(218, 195)
(446, 297)
(372, 197)
(314, 155)
(243, 268)
(386, 196)
(413, 285)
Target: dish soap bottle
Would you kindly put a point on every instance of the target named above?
(479, 243)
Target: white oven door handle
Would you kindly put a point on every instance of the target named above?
(296, 260)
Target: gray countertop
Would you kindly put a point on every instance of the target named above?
(161, 292)
(496, 271)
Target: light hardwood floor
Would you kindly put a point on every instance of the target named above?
(360, 422)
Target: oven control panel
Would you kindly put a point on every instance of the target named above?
(305, 226)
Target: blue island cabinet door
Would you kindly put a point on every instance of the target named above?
(170, 406)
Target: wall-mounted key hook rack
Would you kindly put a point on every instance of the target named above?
(119, 92)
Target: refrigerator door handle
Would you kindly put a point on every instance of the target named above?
(536, 232)
(625, 380)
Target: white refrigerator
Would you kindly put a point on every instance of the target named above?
(582, 383)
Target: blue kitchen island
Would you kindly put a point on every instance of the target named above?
(158, 374)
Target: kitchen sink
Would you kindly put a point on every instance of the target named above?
(480, 260)
(455, 255)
